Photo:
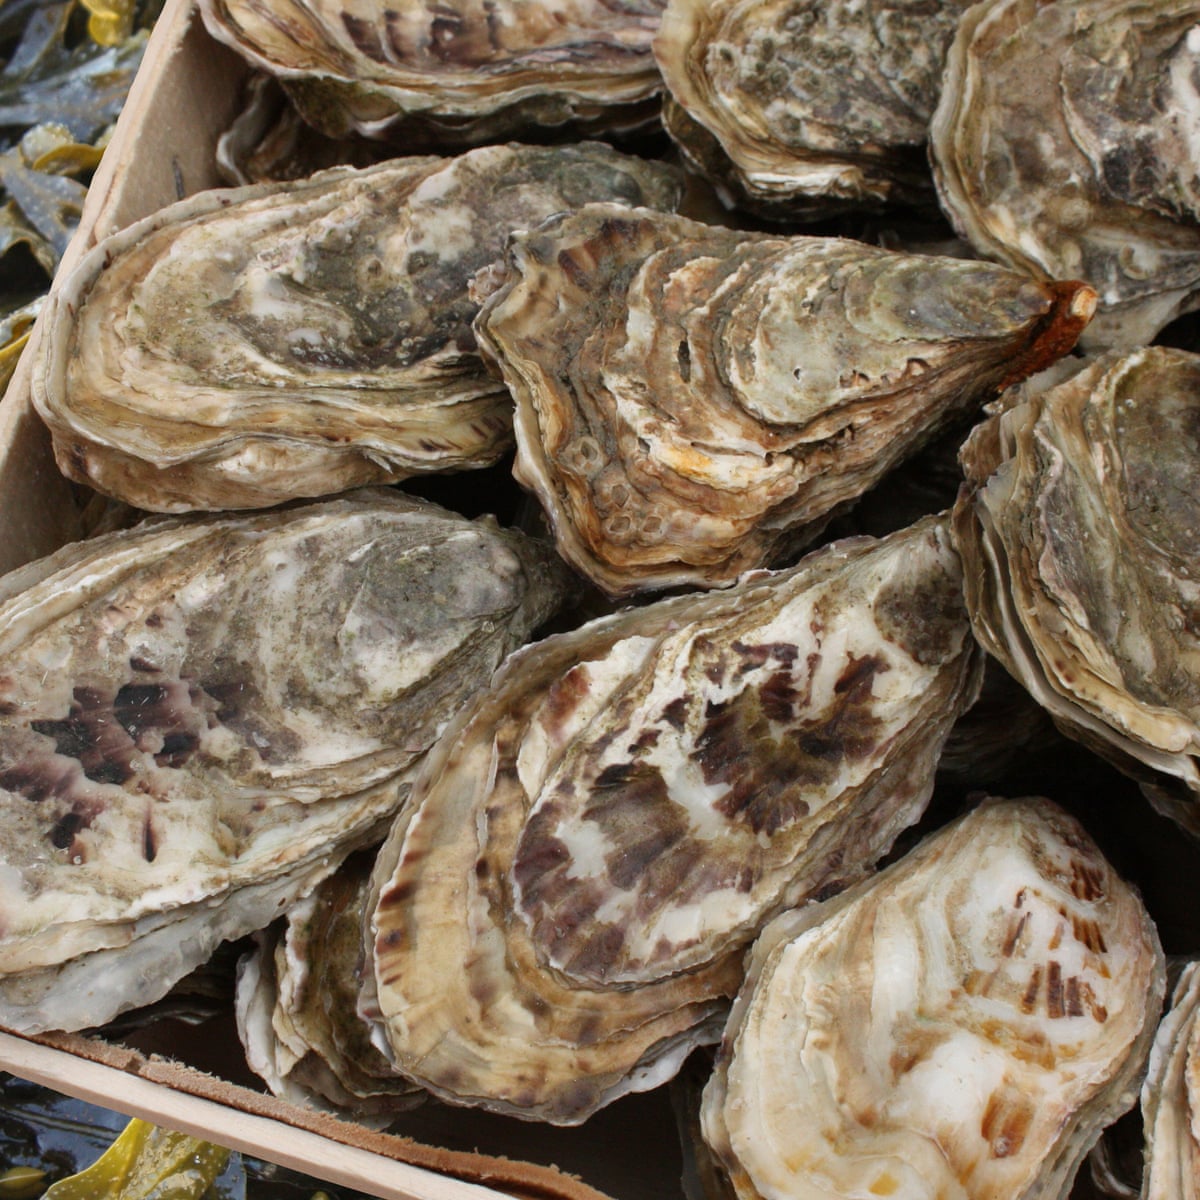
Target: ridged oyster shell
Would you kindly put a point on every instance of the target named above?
(1171, 1098)
(598, 836)
(296, 339)
(478, 68)
(1065, 144)
(964, 1024)
(805, 107)
(200, 718)
(694, 401)
(1080, 534)
(297, 1006)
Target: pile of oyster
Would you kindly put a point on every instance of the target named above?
(818, 335)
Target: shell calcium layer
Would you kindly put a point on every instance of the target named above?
(596, 839)
(200, 718)
(296, 339)
(962, 1025)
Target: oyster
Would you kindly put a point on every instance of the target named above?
(1171, 1098)
(297, 1001)
(694, 401)
(199, 719)
(297, 339)
(805, 107)
(1065, 144)
(473, 69)
(964, 1024)
(1080, 534)
(597, 837)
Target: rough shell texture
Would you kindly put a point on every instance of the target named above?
(694, 401)
(477, 68)
(200, 718)
(1065, 144)
(297, 1006)
(805, 107)
(1171, 1098)
(964, 1024)
(246, 347)
(595, 841)
(1080, 533)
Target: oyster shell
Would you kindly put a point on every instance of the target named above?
(1064, 144)
(805, 107)
(1171, 1098)
(246, 347)
(964, 1024)
(476, 69)
(1080, 534)
(297, 1001)
(199, 719)
(694, 401)
(595, 840)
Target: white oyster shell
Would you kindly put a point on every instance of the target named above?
(296, 339)
(598, 836)
(962, 1025)
(200, 718)
(1065, 144)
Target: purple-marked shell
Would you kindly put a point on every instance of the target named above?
(1065, 144)
(963, 1024)
(598, 836)
(805, 107)
(245, 347)
(694, 401)
(1080, 535)
(200, 718)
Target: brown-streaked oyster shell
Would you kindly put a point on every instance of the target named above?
(470, 69)
(802, 108)
(1171, 1098)
(963, 1024)
(1080, 534)
(1065, 144)
(595, 840)
(245, 347)
(297, 1006)
(694, 401)
(199, 718)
